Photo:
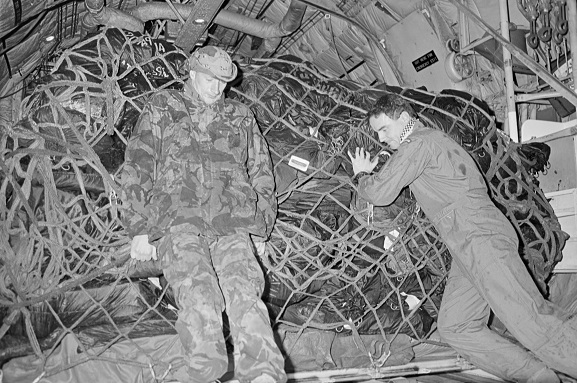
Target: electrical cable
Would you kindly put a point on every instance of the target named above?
(11, 94)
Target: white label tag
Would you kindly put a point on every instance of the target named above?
(299, 163)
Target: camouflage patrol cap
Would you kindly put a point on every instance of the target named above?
(213, 61)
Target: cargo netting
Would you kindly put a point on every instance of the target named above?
(348, 284)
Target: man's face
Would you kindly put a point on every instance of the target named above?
(389, 130)
(208, 87)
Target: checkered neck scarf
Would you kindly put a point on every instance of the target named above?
(408, 129)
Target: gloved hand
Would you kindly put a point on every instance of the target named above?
(141, 250)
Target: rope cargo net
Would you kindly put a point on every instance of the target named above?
(348, 284)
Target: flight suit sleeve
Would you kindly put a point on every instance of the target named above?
(138, 172)
(404, 166)
(260, 170)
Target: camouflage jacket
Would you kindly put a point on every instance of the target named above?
(207, 167)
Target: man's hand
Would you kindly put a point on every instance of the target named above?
(141, 250)
(362, 161)
(259, 245)
(260, 248)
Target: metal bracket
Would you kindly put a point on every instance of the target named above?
(197, 23)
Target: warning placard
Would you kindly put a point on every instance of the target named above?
(425, 61)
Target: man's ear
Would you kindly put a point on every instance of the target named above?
(405, 117)
(192, 74)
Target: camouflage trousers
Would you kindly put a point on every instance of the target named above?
(209, 275)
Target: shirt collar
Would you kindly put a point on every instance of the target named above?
(408, 129)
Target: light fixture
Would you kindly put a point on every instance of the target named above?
(199, 21)
(49, 38)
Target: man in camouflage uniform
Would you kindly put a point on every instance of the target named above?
(198, 184)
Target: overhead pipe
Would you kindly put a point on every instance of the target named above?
(134, 19)
(260, 28)
(260, 13)
(98, 14)
(272, 33)
(268, 47)
(254, 27)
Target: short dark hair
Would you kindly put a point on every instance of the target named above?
(392, 105)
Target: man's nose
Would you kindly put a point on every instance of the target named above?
(217, 86)
(382, 136)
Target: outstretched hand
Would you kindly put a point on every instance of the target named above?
(260, 248)
(141, 250)
(259, 245)
(362, 161)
